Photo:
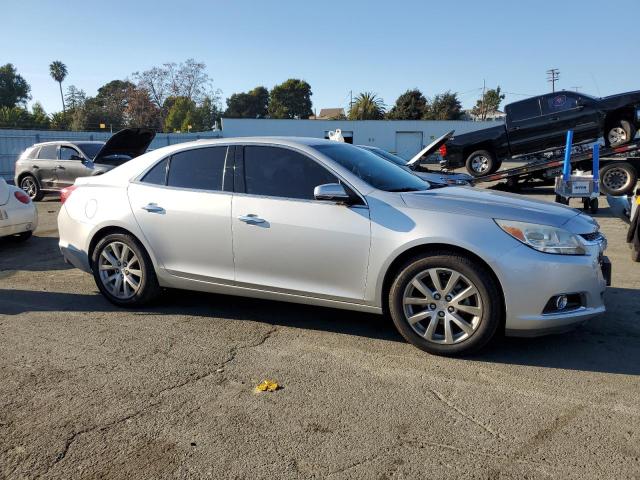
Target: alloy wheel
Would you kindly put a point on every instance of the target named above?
(480, 164)
(442, 306)
(617, 135)
(120, 270)
(29, 186)
(616, 179)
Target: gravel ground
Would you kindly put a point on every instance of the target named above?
(91, 391)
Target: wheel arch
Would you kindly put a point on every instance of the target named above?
(416, 250)
(625, 113)
(30, 174)
(110, 229)
(487, 145)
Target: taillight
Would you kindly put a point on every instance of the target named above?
(22, 197)
(66, 192)
(443, 150)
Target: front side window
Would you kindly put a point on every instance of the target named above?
(525, 109)
(199, 169)
(279, 172)
(559, 102)
(48, 152)
(372, 169)
(67, 153)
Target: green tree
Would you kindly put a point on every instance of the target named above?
(141, 111)
(14, 90)
(58, 72)
(252, 104)
(61, 120)
(444, 106)
(411, 105)
(39, 117)
(291, 99)
(75, 97)
(180, 109)
(490, 102)
(367, 106)
(14, 117)
(208, 114)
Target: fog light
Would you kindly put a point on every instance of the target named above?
(561, 302)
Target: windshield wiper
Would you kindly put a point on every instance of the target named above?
(407, 189)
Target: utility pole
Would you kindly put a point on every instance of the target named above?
(553, 75)
(350, 100)
(483, 113)
(576, 88)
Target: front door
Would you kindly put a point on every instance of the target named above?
(287, 241)
(70, 166)
(183, 206)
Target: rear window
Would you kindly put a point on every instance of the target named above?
(158, 174)
(200, 169)
(525, 109)
(48, 152)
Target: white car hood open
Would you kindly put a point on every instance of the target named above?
(500, 205)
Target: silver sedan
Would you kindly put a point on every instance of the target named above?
(330, 224)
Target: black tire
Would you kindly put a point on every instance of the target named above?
(594, 206)
(618, 178)
(619, 133)
(562, 200)
(148, 288)
(21, 237)
(481, 162)
(488, 291)
(30, 185)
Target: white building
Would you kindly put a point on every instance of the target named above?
(403, 137)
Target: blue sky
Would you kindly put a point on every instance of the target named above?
(381, 46)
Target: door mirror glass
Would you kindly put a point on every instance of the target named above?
(333, 192)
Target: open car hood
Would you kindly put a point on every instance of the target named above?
(432, 147)
(132, 142)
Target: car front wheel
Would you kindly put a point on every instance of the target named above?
(445, 304)
(123, 271)
(30, 185)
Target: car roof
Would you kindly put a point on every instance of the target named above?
(60, 142)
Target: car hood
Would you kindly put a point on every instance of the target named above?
(4, 191)
(130, 141)
(620, 99)
(491, 204)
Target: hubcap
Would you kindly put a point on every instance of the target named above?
(617, 135)
(120, 270)
(480, 164)
(458, 308)
(29, 187)
(616, 179)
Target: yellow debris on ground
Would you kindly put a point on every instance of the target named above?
(267, 386)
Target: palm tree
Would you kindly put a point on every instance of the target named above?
(58, 71)
(367, 106)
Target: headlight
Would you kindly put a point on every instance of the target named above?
(543, 238)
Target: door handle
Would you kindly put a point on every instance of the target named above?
(60, 167)
(251, 219)
(36, 167)
(153, 208)
(555, 119)
(513, 129)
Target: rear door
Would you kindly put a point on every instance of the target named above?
(284, 239)
(44, 168)
(183, 206)
(70, 166)
(569, 111)
(526, 128)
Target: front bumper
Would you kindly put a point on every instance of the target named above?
(530, 278)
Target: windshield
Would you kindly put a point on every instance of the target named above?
(369, 167)
(388, 156)
(90, 149)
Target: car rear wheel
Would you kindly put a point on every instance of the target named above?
(618, 179)
(123, 271)
(481, 162)
(445, 304)
(29, 184)
(619, 133)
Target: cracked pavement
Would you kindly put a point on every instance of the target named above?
(92, 391)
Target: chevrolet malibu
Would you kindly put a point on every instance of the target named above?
(326, 223)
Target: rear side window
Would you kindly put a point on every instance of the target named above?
(558, 103)
(200, 169)
(279, 172)
(158, 174)
(525, 109)
(48, 152)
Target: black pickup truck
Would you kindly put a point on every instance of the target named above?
(541, 123)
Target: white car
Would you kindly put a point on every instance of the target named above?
(326, 223)
(18, 215)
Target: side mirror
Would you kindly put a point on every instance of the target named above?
(333, 192)
(620, 207)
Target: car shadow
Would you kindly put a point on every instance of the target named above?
(37, 254)
(607, 344)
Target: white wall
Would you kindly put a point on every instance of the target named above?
(379, 133)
